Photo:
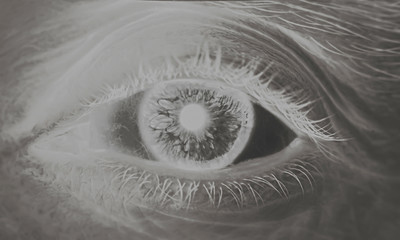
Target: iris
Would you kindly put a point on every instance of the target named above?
(195, 123)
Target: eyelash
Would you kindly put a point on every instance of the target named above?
(221, 194)
(172, 193)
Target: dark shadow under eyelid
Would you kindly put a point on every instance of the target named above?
(270, 137)
(124, 130)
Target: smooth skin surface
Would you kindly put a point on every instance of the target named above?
(356, 45)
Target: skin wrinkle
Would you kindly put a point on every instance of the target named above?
(336, 217)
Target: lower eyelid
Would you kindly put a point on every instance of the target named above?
(113, 183)
(257, 166)
(169, 193)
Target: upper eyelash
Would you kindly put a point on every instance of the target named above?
(209, 64)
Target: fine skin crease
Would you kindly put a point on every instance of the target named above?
(359, 198)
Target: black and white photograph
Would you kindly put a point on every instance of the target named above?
(199, 120)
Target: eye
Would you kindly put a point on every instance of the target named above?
(254, 141)
(193, 124)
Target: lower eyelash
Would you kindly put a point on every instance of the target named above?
(170, 193)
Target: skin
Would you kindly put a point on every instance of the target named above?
(357, 197)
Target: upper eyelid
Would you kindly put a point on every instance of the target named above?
(57, 89)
